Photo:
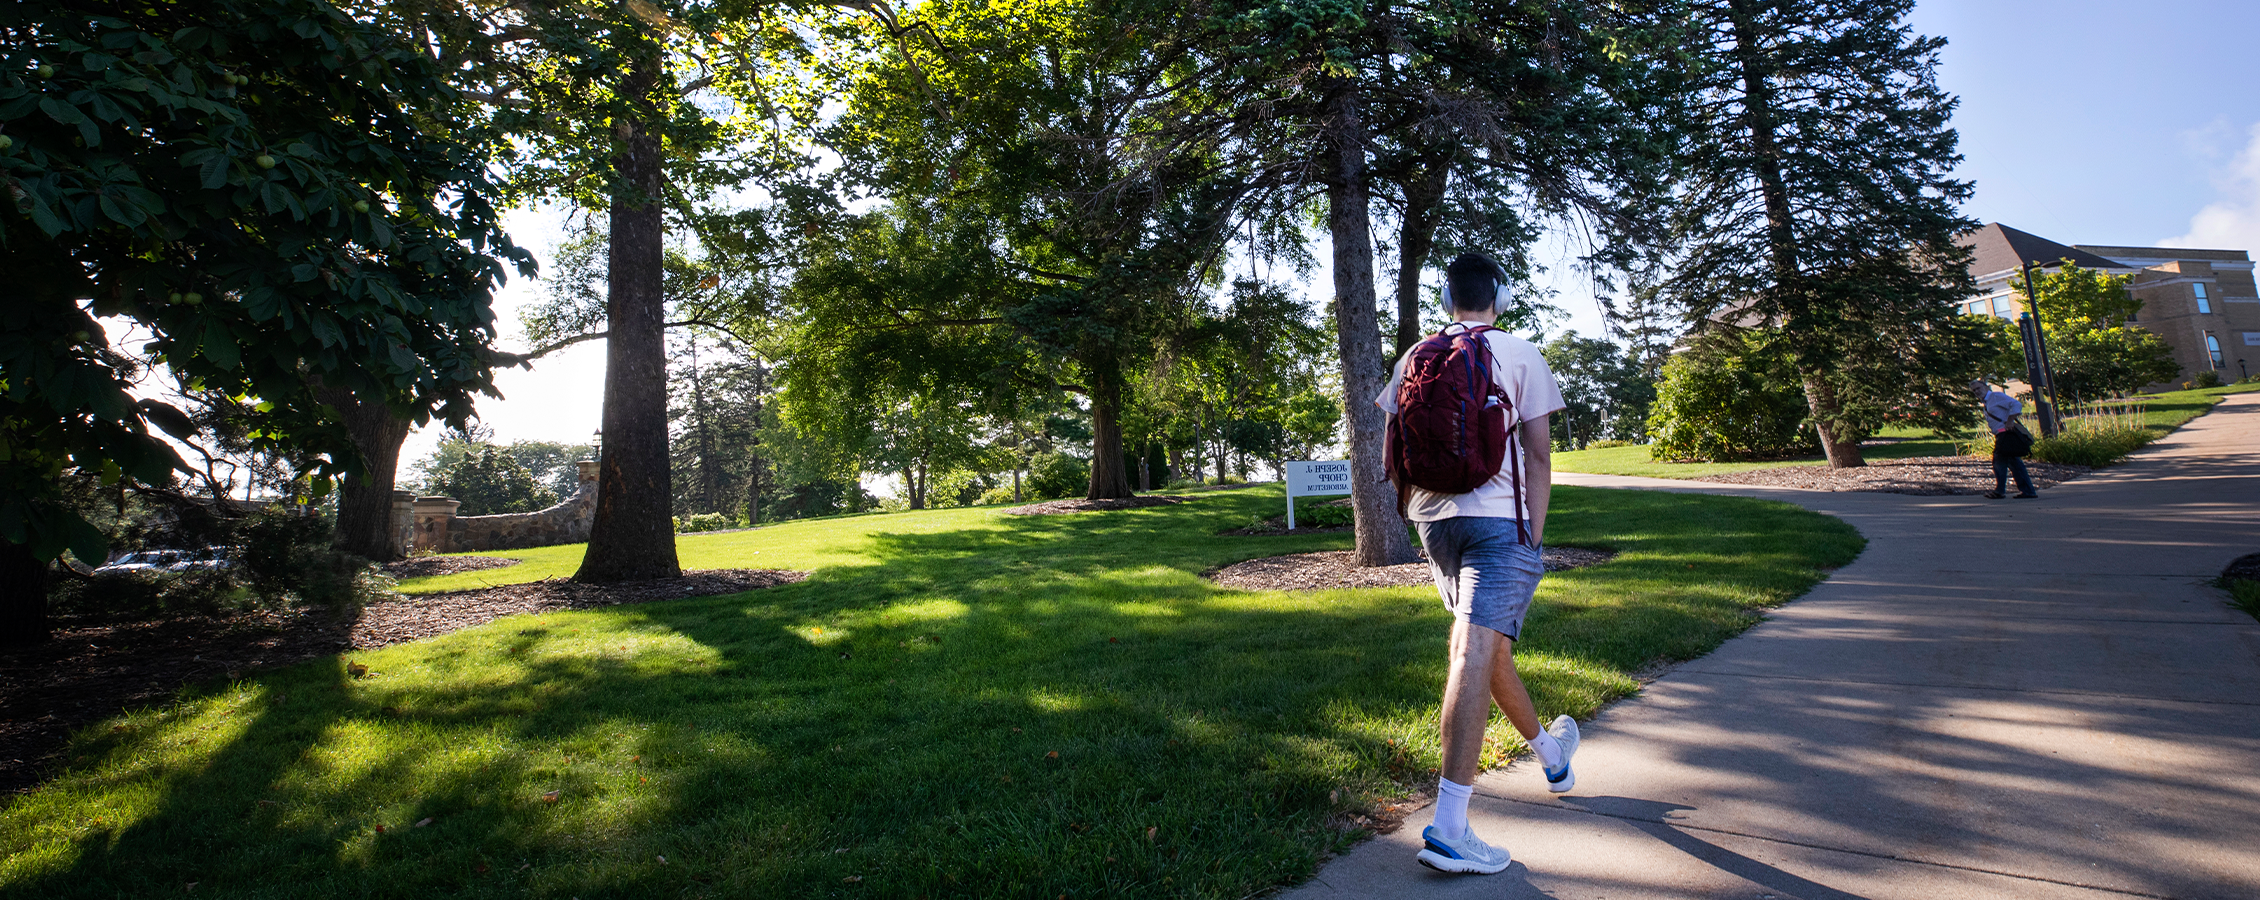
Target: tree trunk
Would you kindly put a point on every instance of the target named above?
(1381, 538)
(1843, 450)
(633, 534)
(23, 595)
(1424, 199)
(364, 503)
(1110, 472)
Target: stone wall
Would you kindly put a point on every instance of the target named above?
(437, 529)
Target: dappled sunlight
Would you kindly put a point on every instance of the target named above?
(1027, 696)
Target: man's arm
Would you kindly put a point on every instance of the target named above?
(1538, 472)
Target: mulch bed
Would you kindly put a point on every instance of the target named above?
(1063, 507)
(1925, 475)
(427, 566)
(87, 672)
(1333, 569)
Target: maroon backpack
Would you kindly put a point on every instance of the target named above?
(1450, 432)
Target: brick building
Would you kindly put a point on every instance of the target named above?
(2202, 302)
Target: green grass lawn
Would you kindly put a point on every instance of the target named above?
(956, 703)
(2164, 413)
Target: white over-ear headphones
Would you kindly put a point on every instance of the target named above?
(1499, 297)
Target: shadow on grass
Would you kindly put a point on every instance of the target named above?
(1052, 705)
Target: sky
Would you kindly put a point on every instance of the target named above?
(2084, 122)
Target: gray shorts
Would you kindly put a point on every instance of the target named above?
(1484, 573)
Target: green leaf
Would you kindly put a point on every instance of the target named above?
(214, 172)
(219, 346)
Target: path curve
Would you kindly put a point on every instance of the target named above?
(1997, 699)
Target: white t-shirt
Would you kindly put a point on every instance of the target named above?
(1521, 372)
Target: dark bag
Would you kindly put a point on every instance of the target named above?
(2014, 443)
(1450, 432)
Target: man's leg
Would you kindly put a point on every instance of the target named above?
(2000, 474)
(1474, 679)
(2024, 478)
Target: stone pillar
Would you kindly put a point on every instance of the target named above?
(401, 536)
(587, 468)
(432, 517)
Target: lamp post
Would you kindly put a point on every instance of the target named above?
(2043, 376)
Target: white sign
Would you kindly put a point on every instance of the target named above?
(2252, 338)
(1315, 479)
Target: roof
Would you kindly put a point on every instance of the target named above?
(2000, 248)
(2164, 253)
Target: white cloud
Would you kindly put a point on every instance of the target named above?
(2233, 221)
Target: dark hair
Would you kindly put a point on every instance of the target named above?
(1474, 278)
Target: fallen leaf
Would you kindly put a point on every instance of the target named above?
(663, 860)
(423, 821)
(1114, 640)
(191, 886)
(1150, 829)
(636, 758)
(552, 796)
(1052, 755)
(1016, 731)
(1110, 859)
(853, 879)
(642, 780)
(380, 829)
(357, 670)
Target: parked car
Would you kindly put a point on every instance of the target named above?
(141, 561)
(209, 559)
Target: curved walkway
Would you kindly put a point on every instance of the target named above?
(1998, 699)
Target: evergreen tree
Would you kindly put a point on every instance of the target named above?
(1548, 99)
(1818, 201)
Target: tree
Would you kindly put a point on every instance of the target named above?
(628, 109)
(1818, 201)
(279, 194)
(2094, 348)
(488, 481)
(1730, 395)
(1082, 144)
(1546, 99)
(1607, 396)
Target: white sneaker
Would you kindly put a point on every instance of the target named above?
(1564, 730)
(1467, 854)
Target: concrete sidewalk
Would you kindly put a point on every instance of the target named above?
(1997, 699)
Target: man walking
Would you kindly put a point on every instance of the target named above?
(1483, 549)
(2010, 440)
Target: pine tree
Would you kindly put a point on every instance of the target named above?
(1819, 201)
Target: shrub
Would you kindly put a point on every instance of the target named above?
(1319, 512)
(703, 522)
(2094, 448)
(1227, 478)
(2206, 379)
(1055, 475)
(1604, 445)
(1000, 494)
(2094, 444)
(1725, 398)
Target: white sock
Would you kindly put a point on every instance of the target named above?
(1549, 750)
(1451, 808)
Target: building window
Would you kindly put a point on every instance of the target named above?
(2213, 349)
(2204, 305)
(2001, 305)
